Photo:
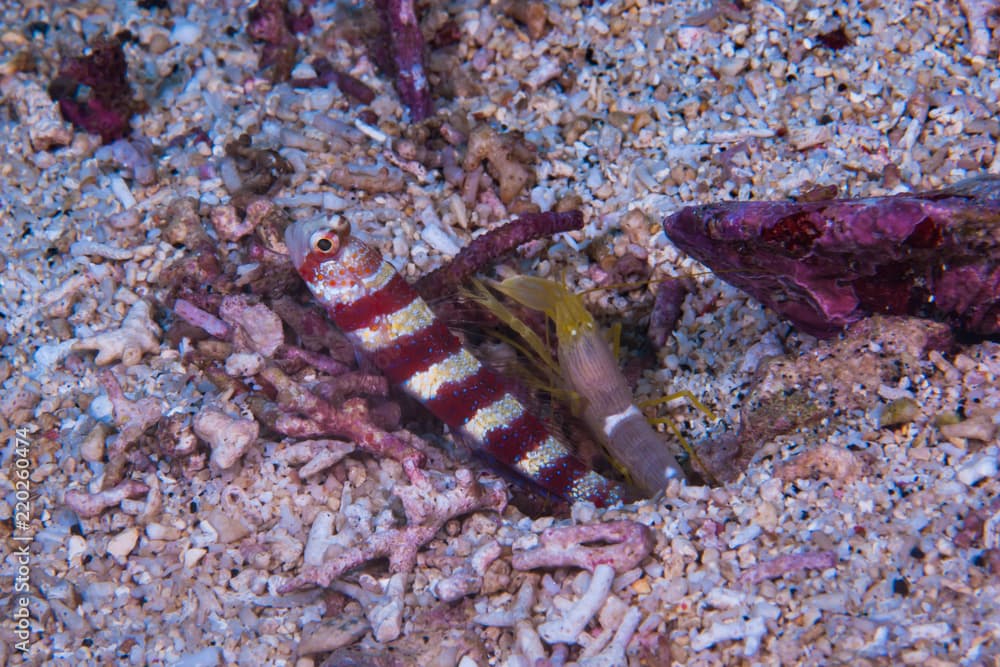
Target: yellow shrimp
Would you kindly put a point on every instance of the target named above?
(587, 369)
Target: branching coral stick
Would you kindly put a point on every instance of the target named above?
(777, 567)
(427, 509)
(567, 628)
(407, 43)
(627, 543)
(137, 335)
(351, 420)
(489, 247)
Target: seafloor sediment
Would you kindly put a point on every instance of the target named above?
(161, 515)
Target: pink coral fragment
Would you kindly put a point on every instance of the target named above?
(257, 328)
(427, 508)
(350, 420)
(89, 505)
(132, 417)
(626, 544)
(782, 565)
(192, 314)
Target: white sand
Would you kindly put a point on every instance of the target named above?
(188, 573)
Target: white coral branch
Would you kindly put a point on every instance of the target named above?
(566, 630)
(427, 508)
(229, 437)
(137, 335)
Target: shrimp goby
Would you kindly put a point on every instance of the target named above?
(387, 321)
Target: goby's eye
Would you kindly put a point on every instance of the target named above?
(322, 242)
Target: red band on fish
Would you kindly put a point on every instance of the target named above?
(458, 402)
(366, 310)
(417, 352)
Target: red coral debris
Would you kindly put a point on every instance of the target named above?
(408, 62)
(272, 23)
(670, 295)
(93, 91)
(326, 74)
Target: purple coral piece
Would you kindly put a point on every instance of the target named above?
(826, 264)
(326, 73)
(670, 295)
(271, 22)
(192, 314)
(621, 544)
(488, 248)
(399, 18)
(777, 567)
(93, 91)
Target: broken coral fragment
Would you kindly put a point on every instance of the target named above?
(137, 335)
(670, 295)
(351, 420)
(229, 437)
(385, 611)
(427, 506)
(271, 22)
(257, 328)
(131, 417)
(406, 45)
(826, 264)
(508, 157)
(621, 544)
(88, 505)
(326, 73)
(566, 629)
(782, 565)
(93, 91)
